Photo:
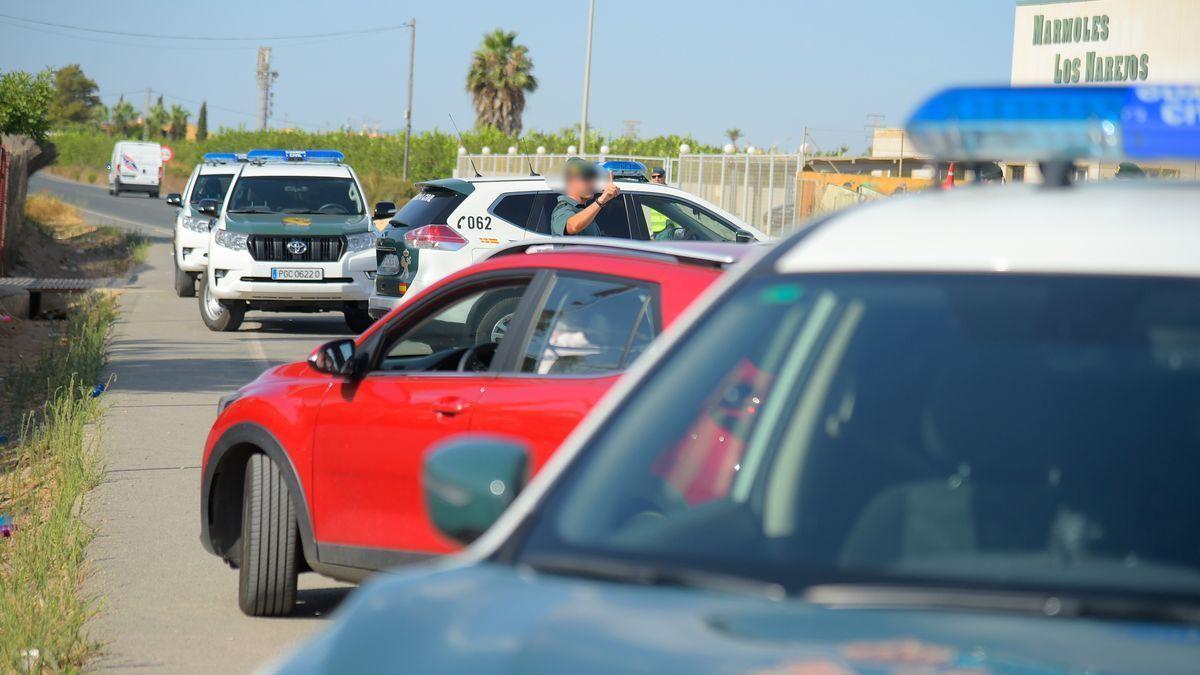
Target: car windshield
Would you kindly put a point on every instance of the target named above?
(296, 194)
(210, 186)
(1006, 432)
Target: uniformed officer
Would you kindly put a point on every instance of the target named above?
(573, 214)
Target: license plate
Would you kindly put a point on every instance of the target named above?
(297, 274)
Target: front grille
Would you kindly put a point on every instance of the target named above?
(274, 248)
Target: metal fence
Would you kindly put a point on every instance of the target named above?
(767, 191)
(546, 165)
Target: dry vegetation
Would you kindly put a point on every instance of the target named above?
(48, 459)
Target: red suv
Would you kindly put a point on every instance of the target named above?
(317, 465)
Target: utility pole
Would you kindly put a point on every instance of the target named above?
(146, 117)
(412, 52)
(587, 79)
(266, 77)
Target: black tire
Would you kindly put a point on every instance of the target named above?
(493, 325)
(358, 319)
(116, 191)
(154, 195)
(185, 282)
(221, 316)
(270, 542)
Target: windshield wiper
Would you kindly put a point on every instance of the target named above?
(607, 569)
(852, 596)
(251, 210)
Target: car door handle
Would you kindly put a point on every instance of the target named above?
(451, 405)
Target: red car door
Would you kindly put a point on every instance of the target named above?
(586, 331)
(371, 436)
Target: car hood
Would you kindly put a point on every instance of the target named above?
(491, 618)
(295, 224)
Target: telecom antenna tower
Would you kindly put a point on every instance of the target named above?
(266, 77)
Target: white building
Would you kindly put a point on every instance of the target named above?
(1097, 42)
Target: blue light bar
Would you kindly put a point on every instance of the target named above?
(260, 155)
(222, 157)
(1059, 123)
(623, 168)
(334, 156)
(330, 156)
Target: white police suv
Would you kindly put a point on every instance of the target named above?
(452, 223)
(969, 418)
(205, 188)
(293, 234)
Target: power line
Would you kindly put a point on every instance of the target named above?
(206, 38)
(169, 47)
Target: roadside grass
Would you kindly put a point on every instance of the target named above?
(72, 247)
(44, 473)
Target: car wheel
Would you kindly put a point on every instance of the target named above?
(270, 542)
(494, 323)
(185, 282)
(219, 315)
(154, 195)
(116, 191)
(358, 319)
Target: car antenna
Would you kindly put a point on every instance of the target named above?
(464, 144)
(527, 162)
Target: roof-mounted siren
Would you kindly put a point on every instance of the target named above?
(625, 170)
(1057, 126)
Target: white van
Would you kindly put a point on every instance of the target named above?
(135, 167)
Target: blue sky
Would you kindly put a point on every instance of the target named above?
(689, 66)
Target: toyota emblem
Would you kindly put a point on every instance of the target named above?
(297, 247)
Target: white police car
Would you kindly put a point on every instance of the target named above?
(962, 432)
(209, 182)
(293, 234)
(452, 223)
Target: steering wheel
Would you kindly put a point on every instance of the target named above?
(472, 359)
(334, 208)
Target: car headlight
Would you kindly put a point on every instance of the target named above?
(390, 265)
(359, 242)
(233, 241)
(196, 224)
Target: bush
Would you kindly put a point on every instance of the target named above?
(379, 161)
(24, 101)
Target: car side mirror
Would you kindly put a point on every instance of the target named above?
(468, 482)
(174, 199)
(384, 210)
(337, 357)
(743, 237)
(209, 207)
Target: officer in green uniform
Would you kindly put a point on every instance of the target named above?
(573, 214)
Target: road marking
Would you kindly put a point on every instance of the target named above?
(257, 351)
(136, 223)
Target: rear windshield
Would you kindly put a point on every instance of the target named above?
(296, 194)
(431, 205)
(212, 186)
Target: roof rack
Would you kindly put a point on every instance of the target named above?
(705, 254)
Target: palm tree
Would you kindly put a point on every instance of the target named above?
(122, 119)
(500, 75)
(733, 135)
(179, 117)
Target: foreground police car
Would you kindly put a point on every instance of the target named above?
(206, 188)
(961, 437)
(454, 222)
(293, 235)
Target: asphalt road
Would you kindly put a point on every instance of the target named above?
(165, 604)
